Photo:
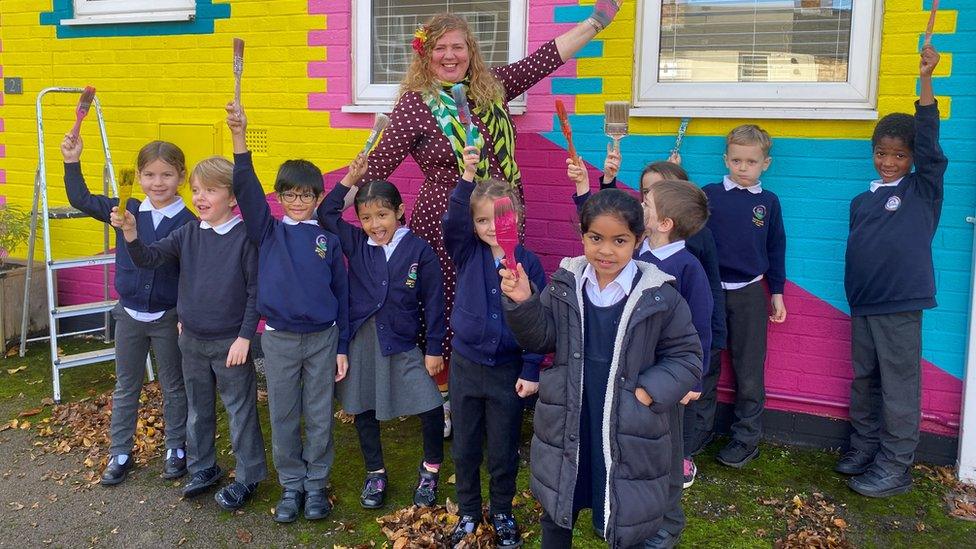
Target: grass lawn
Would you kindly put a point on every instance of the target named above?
(787, 491)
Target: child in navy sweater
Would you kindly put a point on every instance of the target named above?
(146, 312)
(303, 294)
(490, 372)
(889, 280)
(395, 287)
(699, 415)
(747, 223)
(217, 310)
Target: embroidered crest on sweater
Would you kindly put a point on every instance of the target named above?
(759, 215)
(412, 276)
(893, 203)
(321, 245)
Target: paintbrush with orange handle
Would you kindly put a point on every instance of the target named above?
(567, 129)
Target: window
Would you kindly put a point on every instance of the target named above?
(383, 32)
(758, 58)
(96, 12)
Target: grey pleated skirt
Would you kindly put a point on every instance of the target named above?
(396, 385)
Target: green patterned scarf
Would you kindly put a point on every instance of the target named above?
(495, 117)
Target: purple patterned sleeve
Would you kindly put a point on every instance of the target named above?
(522, 75)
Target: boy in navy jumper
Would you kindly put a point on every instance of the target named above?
(490, 372)
(303, 294)
(747, 223)
(146, 312)
(216, 307)
(889, 280)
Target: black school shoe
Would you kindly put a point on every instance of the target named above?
(201, 481)
(115, 472)
(506, 531)
(854, 462)
(662, 540)
(466, 525)
(703, 441)
(289, 506)
(317, 505)
(878, 483)
(233, 496)
(426, 493)
(736, 454)
(174, 466)
(374, 491)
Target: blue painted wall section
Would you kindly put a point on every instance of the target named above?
(206, 13)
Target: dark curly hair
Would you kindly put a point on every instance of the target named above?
(897, 126)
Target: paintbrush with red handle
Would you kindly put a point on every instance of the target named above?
(506, 231)
(567, 129)
(931, 25)
(84, 105)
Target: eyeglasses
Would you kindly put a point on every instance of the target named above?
(290, 196)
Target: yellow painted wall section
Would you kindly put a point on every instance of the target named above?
(145, 83)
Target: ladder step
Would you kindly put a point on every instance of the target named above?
(80, 359)
(84, 308)
(65, 212)
(88, 261)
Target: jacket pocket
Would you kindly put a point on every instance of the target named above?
(635, 419)
(468, 326)
(126, 281)
(407, 324)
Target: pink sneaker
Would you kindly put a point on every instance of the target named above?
(689, 472)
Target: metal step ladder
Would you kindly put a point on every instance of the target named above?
(51, 265)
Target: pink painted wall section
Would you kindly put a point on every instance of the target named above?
(808, 368)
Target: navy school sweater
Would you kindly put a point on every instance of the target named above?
(480, 332)
(145, 290)
(702, 246)
(218, 279)
(749, 235)
(302, 284)
(398, 291)
(889, 267)
(694, 286)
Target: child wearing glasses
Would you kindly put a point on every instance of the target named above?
(303, 294)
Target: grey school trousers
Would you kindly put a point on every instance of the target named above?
(301, 369)
(747, 313)
(132, 340)
(205, 372)
(886, 393)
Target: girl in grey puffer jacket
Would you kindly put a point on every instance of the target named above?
(626, 352)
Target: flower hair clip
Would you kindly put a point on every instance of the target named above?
(419, 39)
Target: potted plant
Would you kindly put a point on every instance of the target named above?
(14, 232)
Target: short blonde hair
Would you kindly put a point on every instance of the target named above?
(750, 134)
(215, 171)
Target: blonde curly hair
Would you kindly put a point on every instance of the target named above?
(484, 88)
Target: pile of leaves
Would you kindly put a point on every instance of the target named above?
(812, 522)
(430, 527)
(83, 426)
(960, 498)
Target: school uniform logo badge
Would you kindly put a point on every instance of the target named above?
(321, 245)
(893, 204)
(759, 215)
(412, 276)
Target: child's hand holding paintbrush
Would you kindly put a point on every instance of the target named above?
(237, 124)
(124, 220)
(470, 156)
(71, 147)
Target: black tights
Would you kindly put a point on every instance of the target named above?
(432, 427)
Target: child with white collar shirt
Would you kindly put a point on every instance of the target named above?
(303, 293)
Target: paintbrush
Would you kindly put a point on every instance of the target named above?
(567, 130)
(506, 231)
(931, 25)
(84, 105)
(464, 112)
(681, 135)
(126, 178)
(615, 121)
(238, 69)
(380, 124)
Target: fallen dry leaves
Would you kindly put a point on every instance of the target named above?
(812, 523)
(960, 498)
(83, 426)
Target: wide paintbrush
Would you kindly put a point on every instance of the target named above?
(616, 121)
(567, 129)
(126, 178)
(380, 124)
(460, 95)
(506, 231)
(84, 105)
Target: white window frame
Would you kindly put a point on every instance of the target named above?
(369, 97)
(856, 99)
(95, 12)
